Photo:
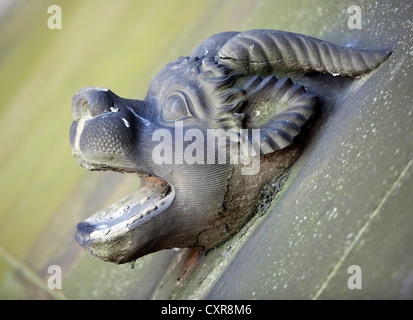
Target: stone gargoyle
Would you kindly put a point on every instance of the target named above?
(214, 129)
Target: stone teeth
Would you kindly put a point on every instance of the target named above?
(145, 213)
(144, 200)
(150, 209)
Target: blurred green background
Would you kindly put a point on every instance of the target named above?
(121, 45)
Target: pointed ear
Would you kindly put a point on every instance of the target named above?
(278, 108)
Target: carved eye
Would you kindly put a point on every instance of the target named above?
(175, 108)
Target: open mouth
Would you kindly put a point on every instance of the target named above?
(109, 234)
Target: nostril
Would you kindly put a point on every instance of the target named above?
(91, 102)
(72, 134)
(80, 108)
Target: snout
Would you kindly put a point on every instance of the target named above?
(106, 128)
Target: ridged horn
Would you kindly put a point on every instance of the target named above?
(258, 51)
(279, 108)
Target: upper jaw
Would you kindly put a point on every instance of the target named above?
(121, 232)
(105, 130)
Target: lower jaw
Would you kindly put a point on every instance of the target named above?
(110, 234)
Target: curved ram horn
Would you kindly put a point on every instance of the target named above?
(279, 108)
(262, 51)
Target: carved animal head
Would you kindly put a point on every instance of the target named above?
(214, 128)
